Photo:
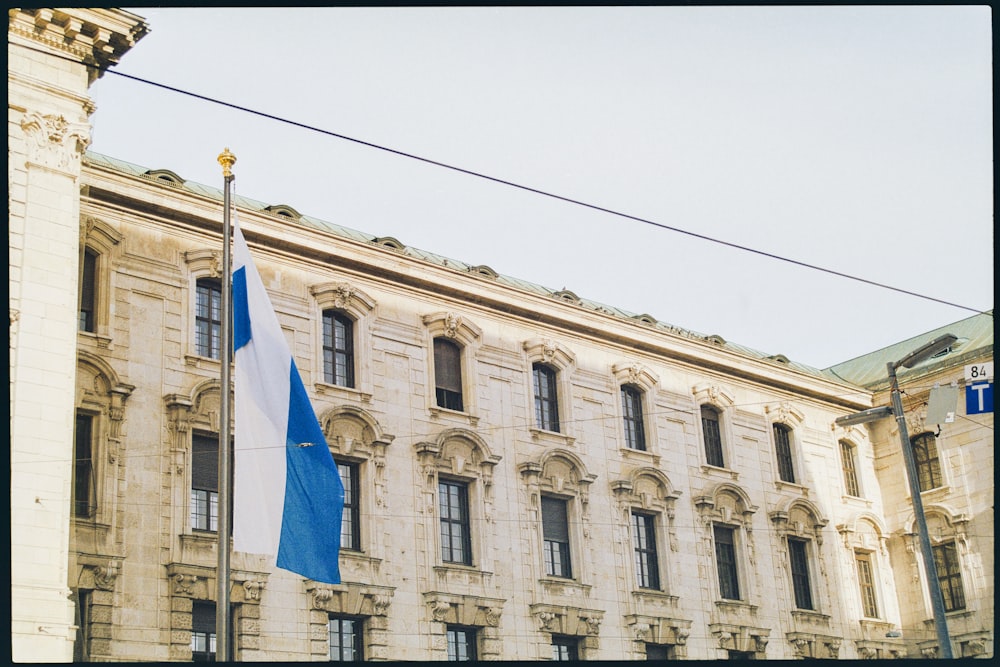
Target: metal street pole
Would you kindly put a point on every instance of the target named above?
(930, 570)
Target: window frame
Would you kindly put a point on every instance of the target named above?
(929, 470)
(633, 417)
(449, 392)
(203, 627)
(546, 397)
(199, 487)
(447, 523)
(784, 449)
(867, 584)
(356, 634)
(557, 548)
(645, 550)
(351, 520)
(798, 567)
(849, 467)
(89, 290)
(728, 577)
(208, 318)
(713, 439)
(946, 556)
(470, 634)
(565, 644)
(334, 357)
(83, 466)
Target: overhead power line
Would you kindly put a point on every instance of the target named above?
(538, 191)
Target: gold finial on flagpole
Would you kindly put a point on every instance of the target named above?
(227, 160)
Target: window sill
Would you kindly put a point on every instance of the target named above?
(356, 566)
(103, 342)
(323, 388)
(437, 412)
(564, 587)
(553, 437)
(856, 501)
(719, 472)
(199, 361)
(656, 603)
(452, 575)
(642, 455)
(810, 618)
(791, 486)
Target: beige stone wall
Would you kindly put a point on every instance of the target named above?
(404, 443)
(47, 131)
(960, 510)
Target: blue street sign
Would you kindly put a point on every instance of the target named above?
(979, 398)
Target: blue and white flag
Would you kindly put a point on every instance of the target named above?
(288, 499)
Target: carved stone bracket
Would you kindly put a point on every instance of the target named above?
(55, 142)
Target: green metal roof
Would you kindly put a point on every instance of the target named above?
(975, 335)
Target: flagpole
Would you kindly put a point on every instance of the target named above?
(223, 626)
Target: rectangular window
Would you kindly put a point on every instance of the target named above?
(555, 535)
(202, 631)
(84, 493)
(866, 580)
(461, 644)
(81, 647)
(208, 319)
(713, 436)
(647, 567)
(635, 434)
(949, 575)
(798, 560)
(345, 639)
(725, 560)
(847, 459)
(659, 651)
(350, 526)
(88, 291)
(925, 453)
(783, 447)
(338, 349)
(546, 398)
(456, 541)
(448, 374)
(204, 482)
(565, 648)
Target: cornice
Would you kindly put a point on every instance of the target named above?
(92, 36)
(299, 243)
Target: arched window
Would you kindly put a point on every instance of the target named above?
(88, 291)
(925, 453)
(849, 465)
(783, 449)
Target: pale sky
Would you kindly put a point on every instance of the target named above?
(854, 138)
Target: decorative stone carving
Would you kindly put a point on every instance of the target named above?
(546, 618)
(55, 142)
(184, 583)
(252, 589)
(439, 610)
(106, 575)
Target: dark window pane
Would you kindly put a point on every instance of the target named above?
(659, 652)
(456, 542)
(204, 482)
(208, 318)
(925, 454)
(461, 644)
(950, 576)
(448, 374)
(546, 397)
(800, 573)
(345, 639)
(635, 435)
(725, 558)
(350, 527)
(713, 436)
(783, 447)
(555, 534)
(866, 580)
(84, 492)
(203, 631)
(338, 349)
(564, 648)
(88, 291)
(847, 453)
(644, 546)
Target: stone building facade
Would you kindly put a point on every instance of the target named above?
(530, 474)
